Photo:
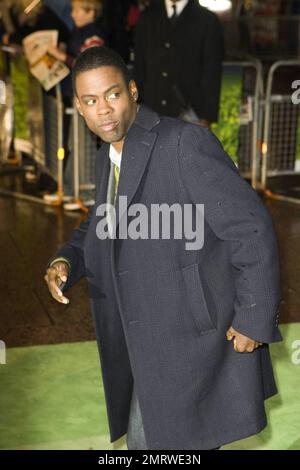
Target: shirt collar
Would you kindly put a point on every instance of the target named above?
(115, 157)
(179, 6)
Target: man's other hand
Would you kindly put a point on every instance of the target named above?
(55, 276)
(241, 343)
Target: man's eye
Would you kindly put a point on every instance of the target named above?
(90, 102)
(113, 96)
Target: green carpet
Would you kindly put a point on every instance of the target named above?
(52, 398)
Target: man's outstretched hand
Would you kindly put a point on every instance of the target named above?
(241, 343)
(55, 276)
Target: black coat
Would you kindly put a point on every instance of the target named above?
(114, 17)
(187, 53)
(161, 312)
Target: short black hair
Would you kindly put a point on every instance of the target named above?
(99, 56)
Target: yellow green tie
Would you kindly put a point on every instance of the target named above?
(117, 176)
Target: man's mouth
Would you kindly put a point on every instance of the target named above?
(108, 126)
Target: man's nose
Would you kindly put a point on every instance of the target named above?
(103, 107)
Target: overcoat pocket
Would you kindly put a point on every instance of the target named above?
(196, 299)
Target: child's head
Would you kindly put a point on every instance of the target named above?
(85, 11)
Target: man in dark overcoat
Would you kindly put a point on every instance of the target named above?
(183, 326)
(178, 59)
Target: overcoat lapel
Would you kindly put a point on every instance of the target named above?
(136, 153)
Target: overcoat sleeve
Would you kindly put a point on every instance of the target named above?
(72, 251)
(238, 217)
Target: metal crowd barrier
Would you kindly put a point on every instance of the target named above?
(53, 113)
(6, 118)
(280, 177)
(85, 146)
(6, 108)
(250, 119)
(81, 147)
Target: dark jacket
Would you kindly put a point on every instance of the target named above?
(161, 312)
(187, 54)
(80, 39)
(114, 19)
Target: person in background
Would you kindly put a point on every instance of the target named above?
(114, 17)
(178, 60)
(120, 18)
(134, 12)
(87, 32)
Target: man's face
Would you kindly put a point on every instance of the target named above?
(107, 103)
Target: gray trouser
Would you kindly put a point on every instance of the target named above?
(135, 433)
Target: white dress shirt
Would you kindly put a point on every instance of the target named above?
(180, 4)
(115, 157)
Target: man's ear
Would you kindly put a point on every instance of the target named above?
(78, 106)
(133, 90)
